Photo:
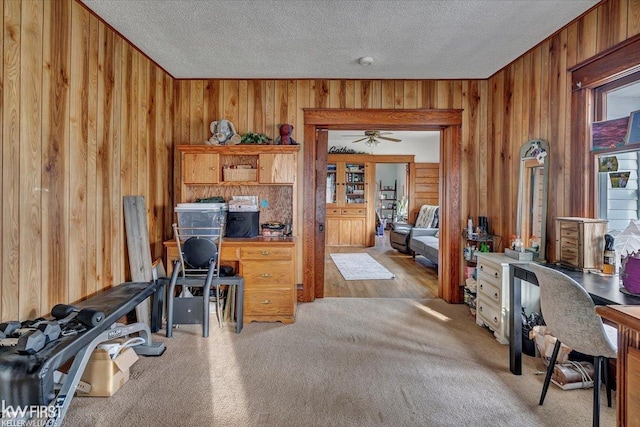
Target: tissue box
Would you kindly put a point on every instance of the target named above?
(105, 375)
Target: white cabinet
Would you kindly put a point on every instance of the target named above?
(492, 299)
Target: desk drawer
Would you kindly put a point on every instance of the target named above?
(269, 302)
(266, 253)
(259, 274)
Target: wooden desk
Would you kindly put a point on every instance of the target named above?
(267, 266)
(628, 364)
(604, 290)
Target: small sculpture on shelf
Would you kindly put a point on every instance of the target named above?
(285, 135)
(223, 133)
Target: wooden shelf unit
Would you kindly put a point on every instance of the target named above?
(350, 214)
(268, 265)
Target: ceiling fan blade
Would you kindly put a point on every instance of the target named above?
(390, 139)
(385, 133)
(362, 139)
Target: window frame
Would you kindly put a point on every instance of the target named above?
(608, 67)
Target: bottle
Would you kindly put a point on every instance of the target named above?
(467, 252)
(469, 227)
(609, 265)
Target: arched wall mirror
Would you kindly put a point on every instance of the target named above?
(532, 197)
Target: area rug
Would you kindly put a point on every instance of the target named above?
(360, 266)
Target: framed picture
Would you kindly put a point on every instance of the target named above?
(619, 179)
(608, 164)
(609, 134)
(633, 132)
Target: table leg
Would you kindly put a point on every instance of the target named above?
(239, 305)
(515, 323)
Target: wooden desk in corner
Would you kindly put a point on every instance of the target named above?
(267, 266)
(628, 365)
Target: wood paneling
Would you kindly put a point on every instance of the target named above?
(87, 119)
(548, 106)
(425, 186)
(82, 125)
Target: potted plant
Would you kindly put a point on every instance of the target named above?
(255, 138)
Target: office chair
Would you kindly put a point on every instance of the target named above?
(198, 266)
(569, 312)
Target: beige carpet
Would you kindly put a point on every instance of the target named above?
(345, 362)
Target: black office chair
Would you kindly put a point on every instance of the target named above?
(569, 312)
(198, 266)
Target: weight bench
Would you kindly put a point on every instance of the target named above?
(27, 380)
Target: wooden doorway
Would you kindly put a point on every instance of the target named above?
(317, 122)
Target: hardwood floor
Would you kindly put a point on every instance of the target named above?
(414, 278)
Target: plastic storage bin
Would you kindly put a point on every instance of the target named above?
(201, 215)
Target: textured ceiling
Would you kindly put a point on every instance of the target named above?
(408, 39)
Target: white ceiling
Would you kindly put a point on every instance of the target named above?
(297, 39)
(424, 145)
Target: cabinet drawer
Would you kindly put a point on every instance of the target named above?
(569, 227)
(333, 211)
(489, 291)
(267, 274)
(569, 234)
(266, 253)
(570, 255)
(569, 242)
(490, 270)
(490, 314)
(269, 302)
(354, 211)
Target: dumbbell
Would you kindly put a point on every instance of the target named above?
(31, 340)
(8, 328)
(87, 316)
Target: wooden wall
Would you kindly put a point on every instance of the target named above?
(84, 121)
(530, 99)
(424, 191)
(87, 119)
(259, 105)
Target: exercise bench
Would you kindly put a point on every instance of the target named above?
(28, 380)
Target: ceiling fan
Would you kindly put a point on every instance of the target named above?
(373, 137)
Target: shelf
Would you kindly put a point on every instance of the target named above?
(475, 237)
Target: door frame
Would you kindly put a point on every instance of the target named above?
(448, 122)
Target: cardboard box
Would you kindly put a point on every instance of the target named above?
(105, 375)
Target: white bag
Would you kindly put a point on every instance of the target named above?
(545, 342)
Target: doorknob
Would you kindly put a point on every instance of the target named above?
(321, 227)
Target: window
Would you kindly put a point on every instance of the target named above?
(618, 198)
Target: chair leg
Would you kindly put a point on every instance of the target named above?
(547, 378)
(597, 365)
(206, 291)
(170, 295)
(607, 379)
